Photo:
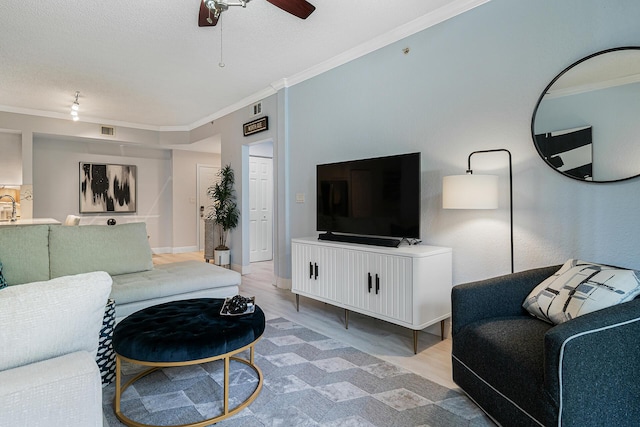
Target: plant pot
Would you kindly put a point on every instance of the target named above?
(222, 257)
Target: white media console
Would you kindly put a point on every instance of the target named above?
(409, 285)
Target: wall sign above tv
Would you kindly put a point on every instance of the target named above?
(372, 201)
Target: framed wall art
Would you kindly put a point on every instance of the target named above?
(107, 188)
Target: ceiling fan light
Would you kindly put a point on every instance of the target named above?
(76, 118)
(75, 106)
(74, 113)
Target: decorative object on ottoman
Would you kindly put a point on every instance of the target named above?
(182, 333)
(106, 357)
(238, 305)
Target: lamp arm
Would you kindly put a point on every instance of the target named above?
(469, 170)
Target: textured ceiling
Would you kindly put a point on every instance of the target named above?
(148, 64)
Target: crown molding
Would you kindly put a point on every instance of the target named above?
(245, 102)
(419, 24)
(88, 119)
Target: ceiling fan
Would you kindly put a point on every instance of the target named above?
(210, 10)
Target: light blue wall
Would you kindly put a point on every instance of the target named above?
(471, 83)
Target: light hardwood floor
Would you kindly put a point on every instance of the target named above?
(384, 340)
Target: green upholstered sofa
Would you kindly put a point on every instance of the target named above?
(43, 252)
(526, 372)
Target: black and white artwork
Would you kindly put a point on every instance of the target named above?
(107, 188)
(570, 151)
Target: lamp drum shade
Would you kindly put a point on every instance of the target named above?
(470, 192)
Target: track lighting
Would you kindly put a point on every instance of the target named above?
(75, 107)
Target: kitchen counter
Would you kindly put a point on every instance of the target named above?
(29, 221)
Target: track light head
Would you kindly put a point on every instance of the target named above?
(75, 107)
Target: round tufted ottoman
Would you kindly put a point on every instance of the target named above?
(186, 332)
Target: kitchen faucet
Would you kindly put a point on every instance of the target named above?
(13, 206)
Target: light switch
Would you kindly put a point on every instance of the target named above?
(299, 197)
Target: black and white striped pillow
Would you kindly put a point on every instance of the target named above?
(581, 287)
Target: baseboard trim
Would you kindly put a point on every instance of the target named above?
(184, 249)
(172, 250)
(164, 250)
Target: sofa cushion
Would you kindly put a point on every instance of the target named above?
(117, 249)
(63, 391)
(42, 320)
(24, 251)
(171, 279)
(581, 287)
(508, 354)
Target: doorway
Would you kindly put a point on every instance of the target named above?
(261, 202)
(260, 209)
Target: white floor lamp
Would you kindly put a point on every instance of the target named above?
(477, 191)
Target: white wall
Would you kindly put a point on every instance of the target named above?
(161, 176)
(185, 209)
(11, 155)
(56, 182)
(471, 83)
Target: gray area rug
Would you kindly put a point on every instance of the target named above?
(309, 380)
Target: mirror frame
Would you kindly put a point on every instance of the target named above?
(542, 95)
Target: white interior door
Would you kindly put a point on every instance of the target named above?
(207, 176)
(260, 208)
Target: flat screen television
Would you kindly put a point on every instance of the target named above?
(374, 201)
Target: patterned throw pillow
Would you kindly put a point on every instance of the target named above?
(3, 282)
(581, 287)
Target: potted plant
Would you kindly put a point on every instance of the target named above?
(223, 215)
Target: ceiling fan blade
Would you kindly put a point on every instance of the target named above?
(300, 8)
(205, 14)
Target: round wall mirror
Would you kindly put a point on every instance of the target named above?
(586, 124)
